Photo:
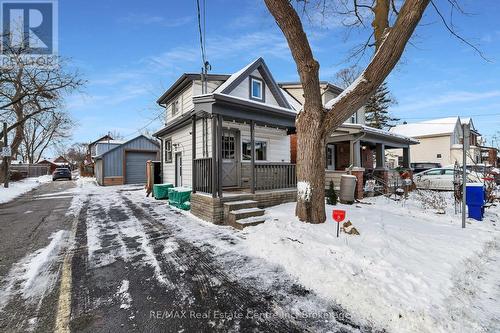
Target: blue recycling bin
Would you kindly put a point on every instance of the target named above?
(475, 200)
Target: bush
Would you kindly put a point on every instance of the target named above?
(432, 200)
(331, 195)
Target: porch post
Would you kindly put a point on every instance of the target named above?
(406, 157)
(214, 156)
(380, 155)
(193, 142)
(356, 154)
(219, 155)
(252, 159)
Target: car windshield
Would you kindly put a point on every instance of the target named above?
(61, 169)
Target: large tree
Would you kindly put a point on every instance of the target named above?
(377, 108)
(43, 131)
(316, 121)
(28, 91)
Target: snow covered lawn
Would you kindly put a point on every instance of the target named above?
(410, 270)
(20, 187)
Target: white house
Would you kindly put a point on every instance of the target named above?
(233, 104)
(440, 140)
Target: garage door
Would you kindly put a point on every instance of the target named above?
(136, 167)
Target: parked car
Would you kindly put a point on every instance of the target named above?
(440, 179)
(423, 166)
(61, 173)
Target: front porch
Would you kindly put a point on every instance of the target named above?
(248, 166)
(363, 151)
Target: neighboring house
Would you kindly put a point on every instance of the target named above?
(354, 145)
(490, 156)
(125, 163)
(55, 163)
(92, 148)
(441, 140)
(248, 109)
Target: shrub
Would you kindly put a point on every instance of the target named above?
(432, 200)
(331, 195)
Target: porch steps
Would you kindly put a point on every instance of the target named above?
(241, 204)
(244, 213)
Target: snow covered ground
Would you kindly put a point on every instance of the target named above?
(410, 270)
(20, 187)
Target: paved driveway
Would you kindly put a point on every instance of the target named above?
(126, 263)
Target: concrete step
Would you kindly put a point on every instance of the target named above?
(248, 222)
(236, 205)
(235, 215)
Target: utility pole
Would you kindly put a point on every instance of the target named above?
(465, 149)
(5, 157)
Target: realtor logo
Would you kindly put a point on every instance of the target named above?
(29, 28)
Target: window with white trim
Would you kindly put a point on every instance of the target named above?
(168, 150)
(256, 89)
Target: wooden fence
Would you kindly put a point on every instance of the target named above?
(31, 170)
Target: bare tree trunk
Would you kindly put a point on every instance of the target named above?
(314, 122)
(311, 147)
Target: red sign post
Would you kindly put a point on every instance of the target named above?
(338, 216)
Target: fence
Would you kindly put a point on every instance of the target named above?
(31, 170)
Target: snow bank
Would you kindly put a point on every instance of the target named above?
(33, 276)
(399, 274)
(20, 187)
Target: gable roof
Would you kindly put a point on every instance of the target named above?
(441, 126)
(126, 142)
(184, 80)
(258, 64)
(105, 137)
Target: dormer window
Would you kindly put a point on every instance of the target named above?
(256, 89)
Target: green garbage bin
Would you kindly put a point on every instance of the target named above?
(160, 191)
(179, 197)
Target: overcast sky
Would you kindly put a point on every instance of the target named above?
(131, 51)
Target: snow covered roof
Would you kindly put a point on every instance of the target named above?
(113, 142)
(292, 101)
(380, 132)
(427, 128)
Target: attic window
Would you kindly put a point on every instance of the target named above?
(256, 89)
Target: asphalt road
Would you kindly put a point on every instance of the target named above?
(130, 271)
(25, 227)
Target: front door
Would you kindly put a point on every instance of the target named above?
(178, 169)
(330, 157)
(230, 158)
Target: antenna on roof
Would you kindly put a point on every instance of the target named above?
(202, 29)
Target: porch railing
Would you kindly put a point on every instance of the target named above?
(203, 171)
(270, 176)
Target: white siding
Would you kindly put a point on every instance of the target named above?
(243, 90)
(212, 85)
(185, 98)
(182, 138)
